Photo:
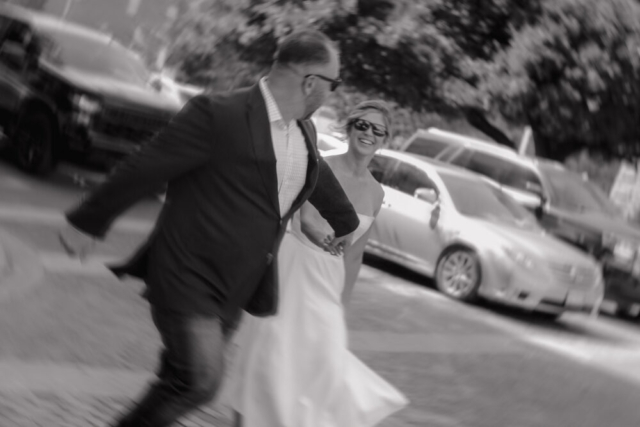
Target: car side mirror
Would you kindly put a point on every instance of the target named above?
(540, 209)
(428, 195)
(156, 84)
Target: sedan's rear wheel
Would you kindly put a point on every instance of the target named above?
(458, 274)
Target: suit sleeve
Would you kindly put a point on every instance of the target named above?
(184, 145)
(330, 200)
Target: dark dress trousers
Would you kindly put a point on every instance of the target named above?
(213, 248)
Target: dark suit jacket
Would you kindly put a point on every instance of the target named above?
(213, 247)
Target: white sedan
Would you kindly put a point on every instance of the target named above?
(462, 230)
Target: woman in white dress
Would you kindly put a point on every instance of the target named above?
(295, 369)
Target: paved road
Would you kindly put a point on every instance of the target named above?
(78, 345)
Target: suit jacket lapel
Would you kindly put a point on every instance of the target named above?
(260, 130)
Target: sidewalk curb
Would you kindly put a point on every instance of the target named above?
(20, 266)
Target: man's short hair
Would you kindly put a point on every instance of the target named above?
(307, 47)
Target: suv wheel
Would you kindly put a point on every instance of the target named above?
(33, 143)
(458, 274)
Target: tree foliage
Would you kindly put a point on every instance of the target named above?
(484, 28)
(568, 68)
(575, 78)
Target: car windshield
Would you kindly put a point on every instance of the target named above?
(569, 191)
(75, 51)
(426, 146)
(478, 199)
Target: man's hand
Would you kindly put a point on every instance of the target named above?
(337, 245)
(327, 242)
(76, 243)
(320, 233)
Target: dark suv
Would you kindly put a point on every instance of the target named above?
(66, 88)
(567, 204)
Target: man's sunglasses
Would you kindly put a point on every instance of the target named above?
(334, 83)
(364, 125)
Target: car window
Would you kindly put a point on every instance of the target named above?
(491, 166)
(478, 199)
(381, 168)
(520, 177)
(408, 178)
(461, 158)
(501, 170)
(426, 146)
(449, 153)
(17, 42)
(569, 191)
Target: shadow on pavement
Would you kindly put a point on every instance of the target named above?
(520, 316)
(398, 271)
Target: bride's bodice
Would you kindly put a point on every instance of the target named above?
(295, 229)
(365, 223)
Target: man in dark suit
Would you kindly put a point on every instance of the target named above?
(237, 166)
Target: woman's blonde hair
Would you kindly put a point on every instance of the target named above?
(362, 109)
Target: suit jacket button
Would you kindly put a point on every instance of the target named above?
(269, 259)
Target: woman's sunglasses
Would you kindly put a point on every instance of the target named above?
(363, 125)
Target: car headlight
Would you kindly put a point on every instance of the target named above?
(86, 104)
(520, 258)
(624, 251)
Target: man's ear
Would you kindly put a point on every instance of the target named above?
(308, 85)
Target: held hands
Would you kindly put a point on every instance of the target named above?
(328, 242)
(319, 232)
(76, 243)
(337, 245)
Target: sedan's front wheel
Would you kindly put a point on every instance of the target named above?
(458, 274)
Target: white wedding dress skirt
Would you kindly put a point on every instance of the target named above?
(294, 369)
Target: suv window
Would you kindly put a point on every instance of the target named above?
(449, 153)
(461, 158)
(426, 146)
(501, 170)
(381, 168)
(569, 191)
(491, 166)
(408, 178)
(16, 42)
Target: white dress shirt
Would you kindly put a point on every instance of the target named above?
(290, 150)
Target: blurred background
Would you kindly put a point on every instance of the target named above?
(539, 96)
(558, 75)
